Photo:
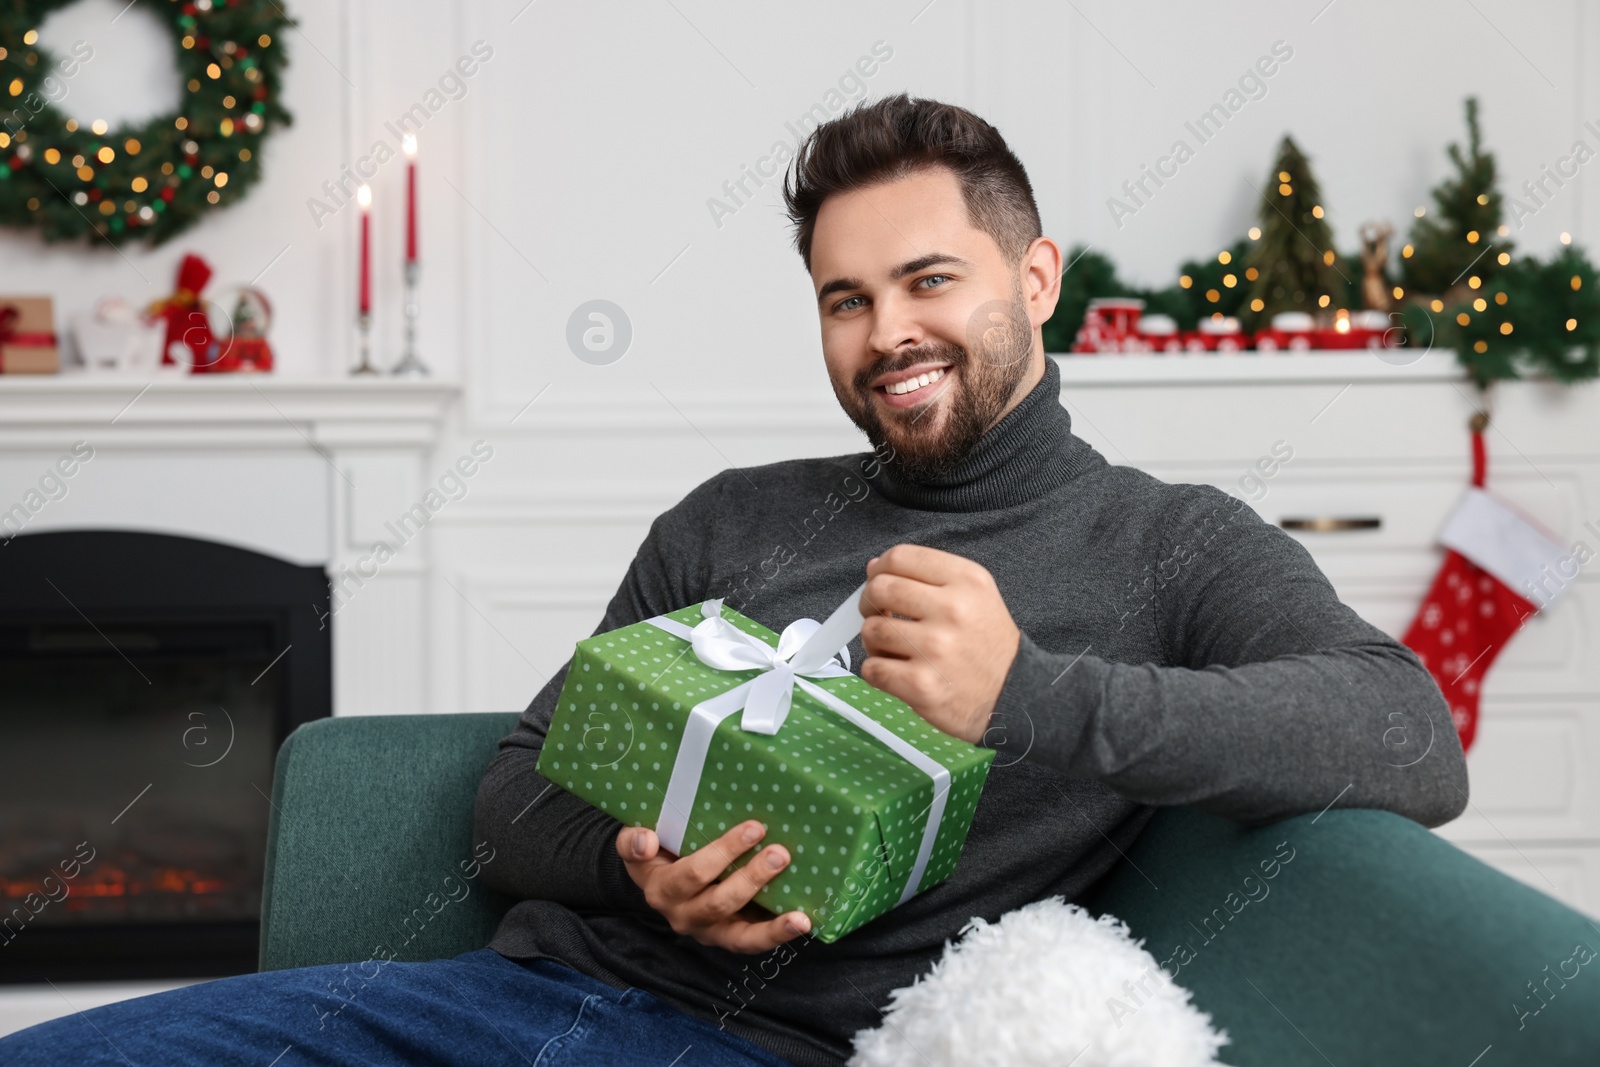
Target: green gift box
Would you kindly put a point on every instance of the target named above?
(694, 721)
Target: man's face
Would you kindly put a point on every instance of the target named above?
(909, 290)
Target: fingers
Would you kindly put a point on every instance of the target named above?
(636, 844)
(909, 680)
(883, 636)
(685, 889)
(726, 897)
(909, 597)
(741, 936)
(641, 852)
(692, 873)
(930, 565)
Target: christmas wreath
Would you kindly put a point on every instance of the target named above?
(146, 181)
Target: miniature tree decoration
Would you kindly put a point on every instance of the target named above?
(1294, 258)
(1464, 225)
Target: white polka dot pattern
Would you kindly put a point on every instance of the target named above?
(850, 812)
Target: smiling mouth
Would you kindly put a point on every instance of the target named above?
(916, 387)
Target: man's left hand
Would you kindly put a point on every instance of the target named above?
(949, 652)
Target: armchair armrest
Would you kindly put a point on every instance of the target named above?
(369, 850)
(1358, 936)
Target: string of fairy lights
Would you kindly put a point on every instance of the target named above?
(1482, 312)
(150, 181)
(1463, 318)
(1458, 283)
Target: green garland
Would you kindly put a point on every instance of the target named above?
(1504, 316)
(1532, 316)
(148, 181)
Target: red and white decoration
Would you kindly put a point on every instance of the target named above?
(1118, 326)
(1495, 555)
(1111, 324)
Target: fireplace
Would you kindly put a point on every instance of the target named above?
(149, 680)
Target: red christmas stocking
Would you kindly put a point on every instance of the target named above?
(1498, 564)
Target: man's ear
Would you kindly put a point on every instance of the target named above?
(1041, 279)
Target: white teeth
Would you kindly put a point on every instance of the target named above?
(912, 384)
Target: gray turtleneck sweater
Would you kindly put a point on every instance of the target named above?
(1176, 649)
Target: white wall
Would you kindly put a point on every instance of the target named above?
(579, 162)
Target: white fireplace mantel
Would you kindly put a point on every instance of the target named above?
(306, 470)
(247, 410)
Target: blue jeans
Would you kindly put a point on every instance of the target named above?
(476, 1010)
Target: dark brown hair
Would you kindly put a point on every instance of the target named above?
(892, 138)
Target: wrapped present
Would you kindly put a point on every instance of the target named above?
(694, 721)
(28, 335)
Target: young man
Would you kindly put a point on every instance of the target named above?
(1122, 643)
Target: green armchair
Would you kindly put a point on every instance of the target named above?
(1374, 942)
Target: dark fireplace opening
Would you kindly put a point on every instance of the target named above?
(147, 683)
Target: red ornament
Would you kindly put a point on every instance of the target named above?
(246, 348)
(186, 319)
(1108, 324)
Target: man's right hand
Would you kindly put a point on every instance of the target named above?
(695, 903)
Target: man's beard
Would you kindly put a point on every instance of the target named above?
(1000, 340)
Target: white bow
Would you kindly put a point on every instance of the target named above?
(802, 650)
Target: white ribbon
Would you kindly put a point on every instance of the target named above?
(721, 645)
(806, 649)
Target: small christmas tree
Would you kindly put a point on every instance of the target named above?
(1294, 258)
(1503, 316)
(1465, 223)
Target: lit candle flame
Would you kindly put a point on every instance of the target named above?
(364, 197)
(408, 145)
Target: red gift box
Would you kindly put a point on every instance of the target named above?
(28, 335)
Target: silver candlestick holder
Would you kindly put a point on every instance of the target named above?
(364, 324)
(410, 366)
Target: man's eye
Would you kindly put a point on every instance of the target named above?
(933, 277)
(845, 304)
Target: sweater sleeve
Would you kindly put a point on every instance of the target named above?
(553, 845)
(1273, 699)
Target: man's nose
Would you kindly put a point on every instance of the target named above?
(894, 325)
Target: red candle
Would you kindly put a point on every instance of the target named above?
(364, 198)
(409, 144)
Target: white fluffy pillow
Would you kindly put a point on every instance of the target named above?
(1043, 986)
